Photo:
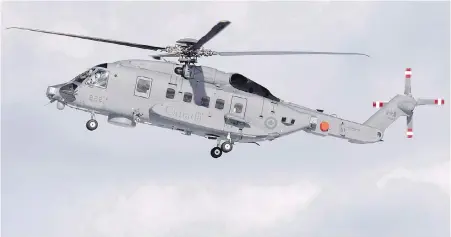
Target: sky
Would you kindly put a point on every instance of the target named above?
(59, 179)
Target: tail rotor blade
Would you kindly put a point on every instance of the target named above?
(422, 101)
(407, 86)
(409, 132)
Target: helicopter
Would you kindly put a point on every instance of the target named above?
(226, 107)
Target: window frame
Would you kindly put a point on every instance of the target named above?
(142, 94)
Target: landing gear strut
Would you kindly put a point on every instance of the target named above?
(92, 124)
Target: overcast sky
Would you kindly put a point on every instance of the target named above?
(59, 179)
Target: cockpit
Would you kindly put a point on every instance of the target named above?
(96, 76)
(242, 83)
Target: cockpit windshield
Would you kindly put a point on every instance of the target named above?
(95, 76)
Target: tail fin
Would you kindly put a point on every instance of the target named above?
(400, 105)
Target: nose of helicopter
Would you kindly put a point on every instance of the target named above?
(51, 91)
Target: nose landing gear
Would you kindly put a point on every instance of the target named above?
(92, 124)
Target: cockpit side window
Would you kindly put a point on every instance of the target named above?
(98, 78)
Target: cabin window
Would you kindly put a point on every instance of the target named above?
(98, 78)
(170, 93)
(284, 119)
(142, 87)
(219, 104)
(238, 108)
(205, 101)
(187, 97)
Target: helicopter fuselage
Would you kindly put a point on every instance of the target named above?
(211, 104)
(226, 107)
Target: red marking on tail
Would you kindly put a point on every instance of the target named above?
(439, 101)
(378, 104)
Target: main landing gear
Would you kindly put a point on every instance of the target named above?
(216, 152)
(225, 147)
(92, 124)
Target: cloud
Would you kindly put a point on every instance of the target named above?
(160, 210)
(436, 174)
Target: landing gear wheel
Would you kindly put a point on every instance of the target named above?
(226, 147)
(92, 124)
(216, 152)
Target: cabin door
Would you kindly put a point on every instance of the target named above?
(236, 115)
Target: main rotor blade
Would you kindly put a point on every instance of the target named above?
(242, 53)
(134, 45)
(212, 33)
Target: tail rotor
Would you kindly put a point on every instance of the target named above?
(401, 105)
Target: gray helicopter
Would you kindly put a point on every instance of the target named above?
(227, 107)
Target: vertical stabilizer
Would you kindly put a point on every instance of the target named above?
(388, 112)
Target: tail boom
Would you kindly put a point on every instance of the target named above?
(372, 130)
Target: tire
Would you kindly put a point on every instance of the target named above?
(92, 125)
(226, 147)
(216, 152)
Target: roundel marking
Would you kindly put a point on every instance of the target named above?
(270, 123)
